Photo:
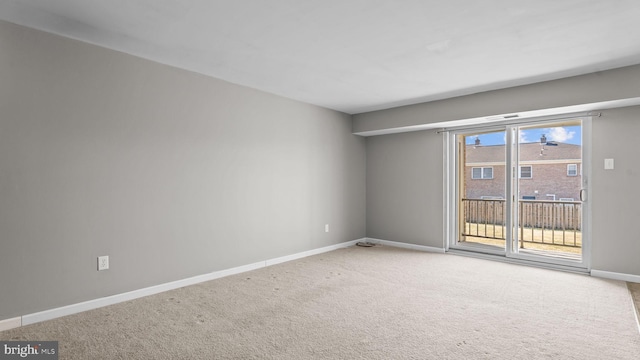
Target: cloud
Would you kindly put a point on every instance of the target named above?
(559, 134)
(522, 137)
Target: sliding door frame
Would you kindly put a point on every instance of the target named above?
(452, 191)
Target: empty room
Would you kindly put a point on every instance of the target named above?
(319, 179)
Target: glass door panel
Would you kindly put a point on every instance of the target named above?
(547, 188)
(481, 185)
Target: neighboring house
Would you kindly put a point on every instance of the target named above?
(548, 171)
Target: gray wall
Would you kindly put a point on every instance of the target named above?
(170, 173)
(404, 188)
(615, 194)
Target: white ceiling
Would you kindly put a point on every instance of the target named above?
(356, 55)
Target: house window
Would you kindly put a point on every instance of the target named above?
(482, 173)
(572, 169)
(526, 172)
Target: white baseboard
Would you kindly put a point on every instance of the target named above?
(131, 295)
(405, 245)
(311, 252)
(114, 299)
(616, 276)
(10, 323)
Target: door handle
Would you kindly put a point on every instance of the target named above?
(582, 195)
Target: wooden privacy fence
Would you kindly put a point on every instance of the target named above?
(539, 221)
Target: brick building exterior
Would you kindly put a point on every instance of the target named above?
(549, 171)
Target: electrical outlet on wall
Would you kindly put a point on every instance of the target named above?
(103, 263)
(326, 228)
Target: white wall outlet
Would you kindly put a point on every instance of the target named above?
(103, 263)
(326, 228)
(608, 164)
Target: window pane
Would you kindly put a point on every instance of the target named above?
(525, 172)
(476, 173)
(488, 173)
(572, 169)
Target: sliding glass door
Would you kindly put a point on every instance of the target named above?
(482, 211)
(520, 191)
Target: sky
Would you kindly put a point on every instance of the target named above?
(562, 134)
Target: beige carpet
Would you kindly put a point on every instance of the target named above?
(363, 303)
(634, 289)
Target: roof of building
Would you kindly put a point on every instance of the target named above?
(534, 151)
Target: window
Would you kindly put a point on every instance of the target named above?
(572, 169)
(526, 172)
(482, 173)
